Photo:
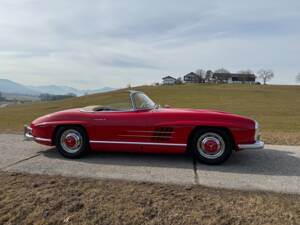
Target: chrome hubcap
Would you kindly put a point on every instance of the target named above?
(211, 145)
(71, 141)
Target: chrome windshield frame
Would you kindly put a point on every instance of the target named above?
(134, 108)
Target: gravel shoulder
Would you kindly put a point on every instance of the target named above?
(43, 199)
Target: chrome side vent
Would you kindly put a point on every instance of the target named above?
(162, 134)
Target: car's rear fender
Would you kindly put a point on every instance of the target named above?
(67, 125)
(47, 130)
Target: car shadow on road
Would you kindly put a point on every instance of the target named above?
(256, 162)
(184, 161)
(260, 162)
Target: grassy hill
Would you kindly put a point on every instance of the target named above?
(277, 108)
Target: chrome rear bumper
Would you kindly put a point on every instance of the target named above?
(28, 133)
(256, 145)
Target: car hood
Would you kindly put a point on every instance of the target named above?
(205, 114)
(196, 111)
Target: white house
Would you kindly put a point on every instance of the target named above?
(234, 78)
(169, 80)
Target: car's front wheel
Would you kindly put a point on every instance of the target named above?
(211, 145)
(71, 141)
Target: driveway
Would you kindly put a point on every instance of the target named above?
(276, 168)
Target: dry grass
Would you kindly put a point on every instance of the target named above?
(275, 107)
(281, 138)
(36, 199)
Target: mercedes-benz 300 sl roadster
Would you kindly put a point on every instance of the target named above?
(135, 123)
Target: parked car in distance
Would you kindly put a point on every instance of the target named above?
(134, 123)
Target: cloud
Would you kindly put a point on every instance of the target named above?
(127, 62)
(112, 43)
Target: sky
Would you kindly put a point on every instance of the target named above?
(97, 43)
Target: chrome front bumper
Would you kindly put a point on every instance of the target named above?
(28, 133)
(256, 145)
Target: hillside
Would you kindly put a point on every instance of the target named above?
(275, 107)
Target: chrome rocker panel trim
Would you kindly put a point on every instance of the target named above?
(138, 143)
(256, 145)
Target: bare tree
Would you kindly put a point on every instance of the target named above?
(298, 78)
(222, 70)
(179, 81)
(201, 73)
(208, 76)
(265, 75)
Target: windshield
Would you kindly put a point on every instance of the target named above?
(122, 101)
(142, 101)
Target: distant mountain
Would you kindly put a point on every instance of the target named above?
(62, 90)
(101, 90)
(10, 87)
(54, 89)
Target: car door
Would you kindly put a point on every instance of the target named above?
(119, 131)
(166, 135)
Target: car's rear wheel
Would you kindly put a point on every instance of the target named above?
(211, 145)
(71, 141)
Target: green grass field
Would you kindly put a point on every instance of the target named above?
(277, 108)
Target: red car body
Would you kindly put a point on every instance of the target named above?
(156, 130)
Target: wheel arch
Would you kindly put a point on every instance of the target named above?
(197, 128)
(57, 127)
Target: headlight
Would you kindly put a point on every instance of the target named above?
(257, 132)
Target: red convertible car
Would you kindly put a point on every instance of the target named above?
(134, 123)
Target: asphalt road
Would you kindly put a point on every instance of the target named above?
(276, 168)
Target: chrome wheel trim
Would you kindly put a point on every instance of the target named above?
(73, 135)
(214, 138)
